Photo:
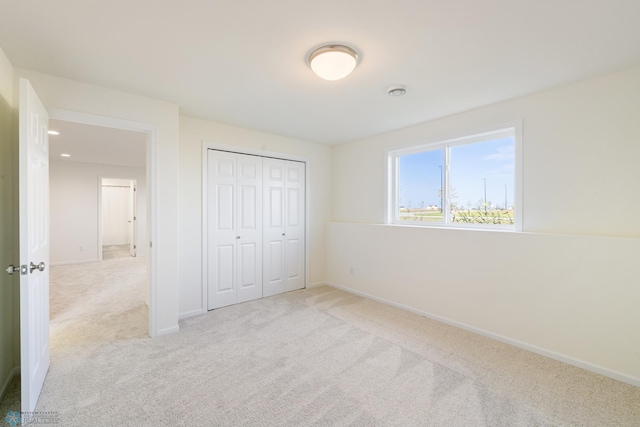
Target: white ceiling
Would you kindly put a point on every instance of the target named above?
(244, 62)
(97, 144)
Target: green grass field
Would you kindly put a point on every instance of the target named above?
(471, 216)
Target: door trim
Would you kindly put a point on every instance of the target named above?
(212, 145)
(152, 191)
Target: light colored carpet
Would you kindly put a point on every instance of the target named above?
(11, 400)
(312, 357)
(98, 302)
(115, 251)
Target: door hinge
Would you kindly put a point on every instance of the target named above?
(150, 244)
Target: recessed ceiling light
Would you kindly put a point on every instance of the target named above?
(65, 155)
(333, 62)
(54, 132)
(396, 90)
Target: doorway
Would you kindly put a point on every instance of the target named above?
(147, 206)
(118, 218)
(99, 232)
(79, 218)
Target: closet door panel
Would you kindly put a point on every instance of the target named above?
(293, 263)
(295, 203)
(256, 227)
(225, 206)
(273, 222)
(249, 227)
(224, 269)
(248, 273)
(221, 247)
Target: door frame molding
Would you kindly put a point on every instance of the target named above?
(212, 145)
(153, 143)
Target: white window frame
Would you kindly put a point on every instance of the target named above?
(486, 134)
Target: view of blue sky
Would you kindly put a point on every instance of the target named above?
(470, 166)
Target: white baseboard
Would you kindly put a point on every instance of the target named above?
(619, 376)
(167, 331)
(14, 372)
(192, 313)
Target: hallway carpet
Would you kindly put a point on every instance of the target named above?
(318, 357)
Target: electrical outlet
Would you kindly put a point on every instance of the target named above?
(81, 248)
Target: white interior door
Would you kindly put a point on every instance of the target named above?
(294, 214)
(256, 227)
(34, 244)
(234, 210)
(221, 238)
(273, 227)
(249, 227)
(133, 217)
(116, 205)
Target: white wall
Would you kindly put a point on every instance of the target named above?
(9, 285)
(71, 95)
(74, 208)
(192, 133)
(572, 293)
(6, 79)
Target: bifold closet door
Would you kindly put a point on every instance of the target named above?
(234, 228)
(294, 225)
(273, 227)
(283, 226)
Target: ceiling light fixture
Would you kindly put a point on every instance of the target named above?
(333, 62)
(65, 155)
(53, 132)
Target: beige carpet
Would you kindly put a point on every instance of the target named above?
(116, 251)
(11, 400)
(312, 357)
(98, 302)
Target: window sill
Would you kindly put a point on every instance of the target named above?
(511, 229)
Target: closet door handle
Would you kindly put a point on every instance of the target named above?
(237, 237)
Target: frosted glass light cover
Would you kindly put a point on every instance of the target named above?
(333, 62)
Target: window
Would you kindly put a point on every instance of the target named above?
(472, 181)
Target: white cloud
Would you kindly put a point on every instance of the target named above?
(503, 153)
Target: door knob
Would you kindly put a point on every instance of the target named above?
(39, 267)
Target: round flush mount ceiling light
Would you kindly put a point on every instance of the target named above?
(396, 90)
(333, 62)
